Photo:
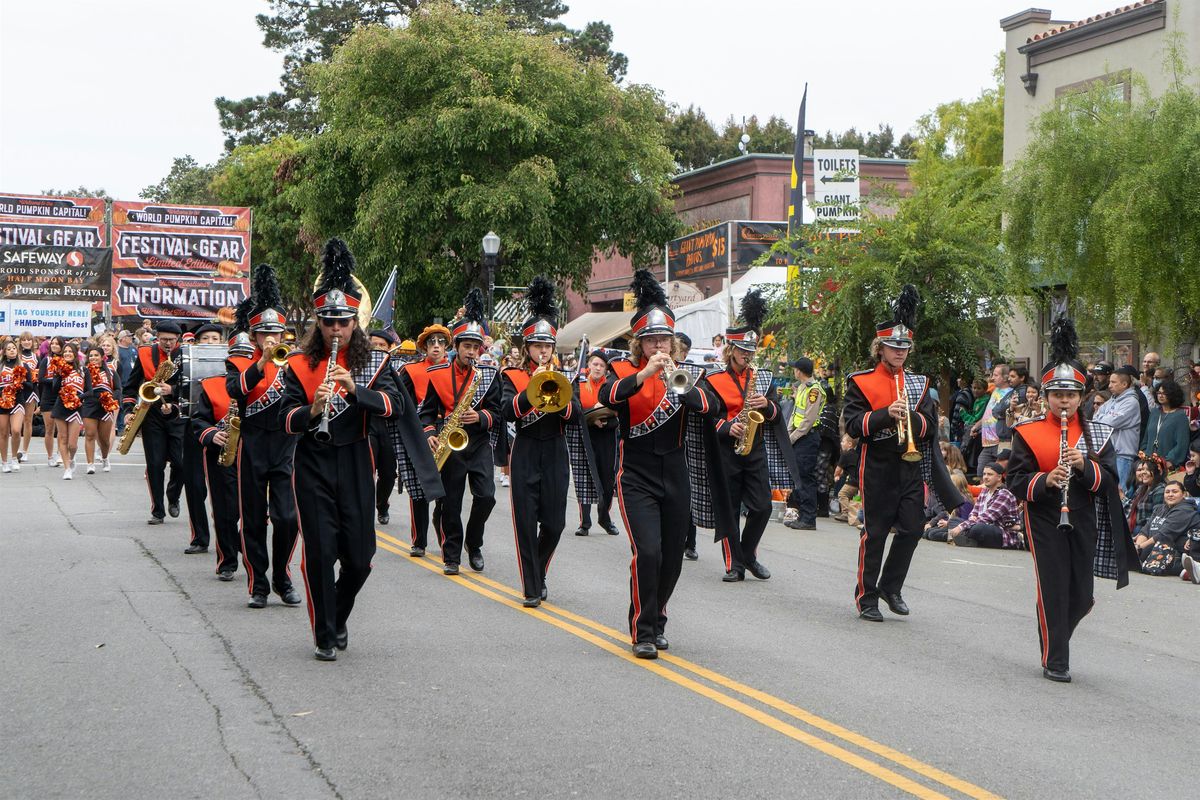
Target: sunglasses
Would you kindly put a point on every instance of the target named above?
(336, 323)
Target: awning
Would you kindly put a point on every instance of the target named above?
(600, 327)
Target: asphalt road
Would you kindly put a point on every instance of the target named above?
(130, 671)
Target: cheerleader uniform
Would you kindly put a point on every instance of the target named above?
(29, 360)
(20, 393)
(92, 391)
(45, 385)
(60, 411)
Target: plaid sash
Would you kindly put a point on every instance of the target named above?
(1105, 563)
(271, 396)
(362, 377)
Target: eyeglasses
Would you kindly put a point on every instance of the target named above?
(437, 340)
(336, 323)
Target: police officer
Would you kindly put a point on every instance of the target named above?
(804, 432)
(163, 428)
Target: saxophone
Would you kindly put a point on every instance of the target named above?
(231, 423)
(750, 420)
(148, 395)
(453, 437)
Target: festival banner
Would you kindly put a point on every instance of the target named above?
(699, 253)
(752, 239)
(184, 262)
(34, 272)
(38, 221)
(45, 318)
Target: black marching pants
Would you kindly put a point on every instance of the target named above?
(655, 500)
(477, 468)
(1065, 586)
(604, 448)
(749, 483)
(901, 506)
(223, 494)
(334, 494)
(265, 489)
(803, 497)
(539, 469)
(418, 521)
(195, 489)
(162, 441)
(385, 463)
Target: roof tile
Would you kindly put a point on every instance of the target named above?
(1037, 37)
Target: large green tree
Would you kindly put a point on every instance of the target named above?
(187, 182)
(456, 125)
(308, 32)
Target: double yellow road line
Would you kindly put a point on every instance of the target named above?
(721, 689)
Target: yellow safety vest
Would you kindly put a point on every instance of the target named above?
(806, 394)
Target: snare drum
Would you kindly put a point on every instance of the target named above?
(199, 361)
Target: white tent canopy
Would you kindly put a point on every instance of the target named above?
(601, 327)
(703, 320)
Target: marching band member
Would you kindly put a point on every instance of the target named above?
(264, 462)
(16, 382)
(652, 479)
(735, 396)
(683, 346)
(891, 479)
(195, 488)
(538, 461)
(327, 402)
(29, 360)
(602, 433)
(448, 384)
(99, 409)
(68, 391)
(1064, 468)
(162, 429)
(414, 379)
(383, 340)
(47, 398)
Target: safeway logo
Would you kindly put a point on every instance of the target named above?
(74, 259)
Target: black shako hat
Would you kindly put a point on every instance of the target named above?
(542, 324)
(898, 331)
(653, 316)
(336, 296)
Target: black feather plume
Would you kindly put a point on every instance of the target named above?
(1064, 343)
(904, 310)
(754, 310)
(540, 299)
(473, 305)
(241, 315)
(266, 288)
(647, 291)
(337, 265)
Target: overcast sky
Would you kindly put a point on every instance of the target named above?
(105, 94)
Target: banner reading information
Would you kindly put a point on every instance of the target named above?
(52, 221)
(185, 262)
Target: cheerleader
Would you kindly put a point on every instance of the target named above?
(68, 392)
(46, 397)
(603, 435)
(15, 383)
(99, 409)
(108, 346)
(29, 360)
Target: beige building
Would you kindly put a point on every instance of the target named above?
(1047, 58)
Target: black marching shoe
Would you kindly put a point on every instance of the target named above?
(1056, 675)
(581, 531)
(660, 642)
(645, 650)
(155, 521)
(733, 576)
(173, 508)
(531, 602)
(475, 559)
(611, 529)
(343, 638)
(289, 595)
(192, 549)
(383, 517)
(895, 602)
(416, 552)
(325, 654)
(257, 601)
(871, 614)
(797, 525)
(758, 570)
(225, 575)
(545, 593)
(450, 569)
(690, 554)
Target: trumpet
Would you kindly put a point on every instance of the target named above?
(279, 354)
(678, 380)
(549, 392)
(904, 434)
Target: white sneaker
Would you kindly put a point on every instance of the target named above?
(790, 515)
(91, 469)
(67, 474)
(55, 461)
(104, 465)
(503, 480)
(5, 467)
(16, 465)
(22, 457)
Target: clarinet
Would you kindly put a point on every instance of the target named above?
(1064, 519)
(322, 434)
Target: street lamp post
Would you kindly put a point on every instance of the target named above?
(491, 246)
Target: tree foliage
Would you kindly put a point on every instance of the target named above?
(456, 125)
(186, 182)
(971, 131)
(308, 33)
(1106, 200)
(880, 143)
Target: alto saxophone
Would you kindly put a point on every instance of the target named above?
(149, 393)
(453, 437)
(750, 420)
(232, 425)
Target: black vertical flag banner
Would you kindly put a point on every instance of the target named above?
(796, 199)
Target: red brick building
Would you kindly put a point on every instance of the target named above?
(749, 187)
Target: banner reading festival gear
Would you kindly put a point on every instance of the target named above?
(45, 318)
(181, 262)
(37, 221)
(33, 272)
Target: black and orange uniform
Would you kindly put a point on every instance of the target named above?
(69, 388)
(652, 486)
(1064, 561)
(210, 416)
(604, 448)
(45, 384)
(893, 490)
(29, 360)
(17, 383)
(746, 476)
(473, 464)
(540, 470)
(414, 380)
(264, 472)
(334, 482)
(98, 400)
(162, 434)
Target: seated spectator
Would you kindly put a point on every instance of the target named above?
(1168, 430)
(994, 521)
(1191, 479)
(847, 471)
(954, 459)
(937, 521)
(1160, 545)
(1147, 493)
(959, 479)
